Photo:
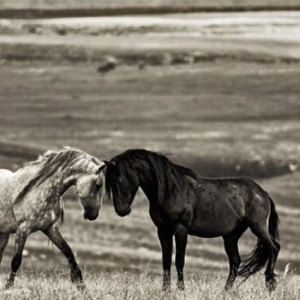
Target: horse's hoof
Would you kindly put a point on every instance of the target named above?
(81, 286)
(228, 286)
(271, 285)
(8, 285)
(181, 286)
(166, 287)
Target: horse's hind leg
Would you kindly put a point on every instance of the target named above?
(4, 237)
(231, 248)
(269, 273)
(261, 231)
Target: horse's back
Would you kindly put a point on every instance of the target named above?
(258, 203)
(242, 192)
(221, 204)
(5, 173)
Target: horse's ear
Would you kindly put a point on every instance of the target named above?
(110, 163)
(101, 168)
(106, 164)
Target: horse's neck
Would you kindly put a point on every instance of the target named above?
(61, 181)
(149, 184)
(66, 182)
(22, 176)
(146, 179)
(67, 179)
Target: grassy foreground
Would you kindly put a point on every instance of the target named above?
(34, 284)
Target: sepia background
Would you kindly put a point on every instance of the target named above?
(213, 83)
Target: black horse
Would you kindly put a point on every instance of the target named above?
(183, 203)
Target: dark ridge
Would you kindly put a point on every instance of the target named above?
(39, 52)
(234, 167)
(68, 13)
(20, 151)
(205, 166)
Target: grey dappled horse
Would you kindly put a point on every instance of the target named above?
(30, 200)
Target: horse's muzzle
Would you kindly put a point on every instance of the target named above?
(90, 216)
(123, 212)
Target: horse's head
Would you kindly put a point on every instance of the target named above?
(89, 188)
(64, 169)
(121, 185)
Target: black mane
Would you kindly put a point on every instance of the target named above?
(167, 176)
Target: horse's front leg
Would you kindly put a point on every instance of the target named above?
(165, 238)
(53, 233)
(20, 241)
(181, 241)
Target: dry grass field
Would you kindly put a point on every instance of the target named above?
(221, 118)
(37, 284)
(229, 115)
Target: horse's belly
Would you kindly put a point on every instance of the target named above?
(213, 216)
(210, 229)
(207, 233)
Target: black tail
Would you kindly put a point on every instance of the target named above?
(261, 253)
(273, 221)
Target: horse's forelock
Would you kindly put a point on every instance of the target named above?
(111, 173)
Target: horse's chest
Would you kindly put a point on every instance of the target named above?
(157, 218)
(161, 217)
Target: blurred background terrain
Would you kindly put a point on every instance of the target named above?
(219, 91)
